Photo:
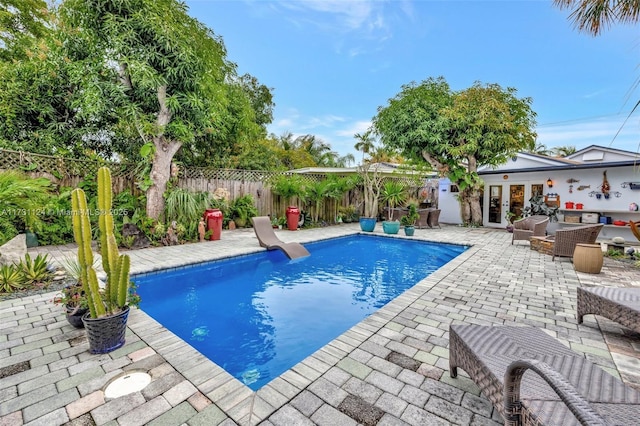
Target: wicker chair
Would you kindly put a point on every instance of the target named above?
(532, 226)
(621, 305)
(396, 213)
(423, 217)
(432, 219)
(562, 388)
(565, 240)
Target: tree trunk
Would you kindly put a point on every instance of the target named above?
(476, 210)
(160, 174)
(161, 168)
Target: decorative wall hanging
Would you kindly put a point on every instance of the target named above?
(631, 185)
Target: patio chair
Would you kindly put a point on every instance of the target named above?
(423, 216)
(565, 240)
(432, 219)
(621, 305)
(561, 388)
(396, 212)
(268, 239)
(532, 226)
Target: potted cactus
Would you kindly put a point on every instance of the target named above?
(106, 321)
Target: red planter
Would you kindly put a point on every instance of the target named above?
(213, 219)
(293, 217)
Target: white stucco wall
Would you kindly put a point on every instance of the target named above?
(448, 203)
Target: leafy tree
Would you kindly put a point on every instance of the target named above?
(456, 132)
(169, 80)
(21, 23)
(42, 98)
(593, 16)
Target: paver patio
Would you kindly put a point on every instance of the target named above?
(390, 369)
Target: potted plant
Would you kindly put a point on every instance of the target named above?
(243, 209)
(409, 220)
(393, 193)
(72, 296)
(106, 321)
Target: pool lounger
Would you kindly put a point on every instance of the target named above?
(268, 239)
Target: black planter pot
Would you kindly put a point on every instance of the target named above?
(74, 315)
(106, 334)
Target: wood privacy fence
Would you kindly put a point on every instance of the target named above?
(70, 171)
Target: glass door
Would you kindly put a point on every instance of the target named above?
(495, 204)
(516, 200)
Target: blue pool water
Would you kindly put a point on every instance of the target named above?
(259, 315)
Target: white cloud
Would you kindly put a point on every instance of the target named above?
(355, 127)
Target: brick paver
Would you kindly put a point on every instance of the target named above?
(391, 369)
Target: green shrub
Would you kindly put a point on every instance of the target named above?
(11, 279)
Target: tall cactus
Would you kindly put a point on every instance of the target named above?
(115, 265)
(82, 234)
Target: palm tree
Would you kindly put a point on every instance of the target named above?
(593, 16)
(540, 149)
(563, 151)
(365, 143)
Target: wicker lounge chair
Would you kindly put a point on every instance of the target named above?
(562, 388)
(621, 305)
(432, 219)
(532, 226)
(268, 239)
(565, 240)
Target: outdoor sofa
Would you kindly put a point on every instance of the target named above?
(532, 226)
(532, 379)
(621, 305)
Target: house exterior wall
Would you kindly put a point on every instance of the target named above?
(617, 206)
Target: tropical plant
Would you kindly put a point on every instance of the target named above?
(316, 194)
(537, 206)
(348, 213)
(35, 271)
(394, 194)
(21, 199)
(11, 279)
(594, 15)
(115, 295)
(56, 226)
(411, 217)
(288, 187)
(242, 209)
(369, 174)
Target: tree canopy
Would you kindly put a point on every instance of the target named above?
(457, 131)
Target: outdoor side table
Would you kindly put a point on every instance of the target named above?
(588, 258)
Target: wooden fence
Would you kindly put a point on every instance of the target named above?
(69, 172)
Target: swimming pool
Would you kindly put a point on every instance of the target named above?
(258, 315)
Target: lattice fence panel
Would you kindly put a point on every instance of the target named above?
(69, 172)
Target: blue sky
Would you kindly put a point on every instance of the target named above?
(332, 63)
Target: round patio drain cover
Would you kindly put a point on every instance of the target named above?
(126, 384)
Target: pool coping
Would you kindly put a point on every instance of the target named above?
(249, 407)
